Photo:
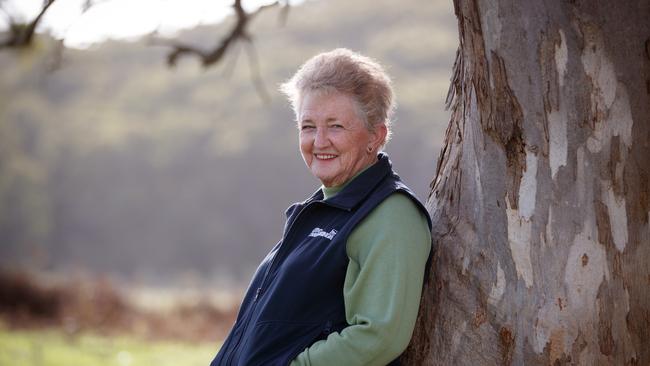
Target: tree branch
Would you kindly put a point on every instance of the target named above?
(21, 35)
(284, 12)
(256, 76)
(238, 32)
(233, 55)
(4, 11)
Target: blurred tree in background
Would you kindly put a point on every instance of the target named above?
(114, 163)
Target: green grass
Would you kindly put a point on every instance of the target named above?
(54, 348)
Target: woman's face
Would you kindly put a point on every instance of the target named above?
(334, 141)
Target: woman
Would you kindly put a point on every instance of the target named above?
(343, 285)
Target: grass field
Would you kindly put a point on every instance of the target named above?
(55, 348)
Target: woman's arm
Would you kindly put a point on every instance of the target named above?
(388, 253)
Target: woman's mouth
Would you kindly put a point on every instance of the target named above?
(324, 156)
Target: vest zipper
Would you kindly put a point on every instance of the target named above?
(260, 289)
(244, 327)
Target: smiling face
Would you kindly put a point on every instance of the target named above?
(334, 140)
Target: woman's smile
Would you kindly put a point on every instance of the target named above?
(325, 156)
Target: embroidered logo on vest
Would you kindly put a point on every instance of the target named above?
(319, 232)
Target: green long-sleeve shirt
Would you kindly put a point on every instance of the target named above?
(388, 251)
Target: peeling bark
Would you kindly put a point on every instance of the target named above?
(540, 200)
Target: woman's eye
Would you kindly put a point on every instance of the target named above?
(306, 128)
(336, 126)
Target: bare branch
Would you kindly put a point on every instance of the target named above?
(31, 28)
(90, 3)
(56, 60)
(4, 11)
(238, 32)
(261, 9)
(232, 61)
(256, 76)
(86, 5)
(21, 35)
(284, 12)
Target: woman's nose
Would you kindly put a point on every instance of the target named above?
(321, 139)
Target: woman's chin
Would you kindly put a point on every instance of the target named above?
(323, 171)
(325, 180)
(328, 180)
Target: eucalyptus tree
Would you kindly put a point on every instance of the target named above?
(541, 195)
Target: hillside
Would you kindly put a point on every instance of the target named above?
(114, 163)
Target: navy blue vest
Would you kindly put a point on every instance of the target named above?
(296, 295)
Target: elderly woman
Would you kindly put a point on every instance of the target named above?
(343, 285)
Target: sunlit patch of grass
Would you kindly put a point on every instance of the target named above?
(55, 348)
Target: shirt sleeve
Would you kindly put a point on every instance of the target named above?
(388, 252)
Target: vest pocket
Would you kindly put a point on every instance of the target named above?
(277, 343)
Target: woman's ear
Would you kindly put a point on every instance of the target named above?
(378, 136)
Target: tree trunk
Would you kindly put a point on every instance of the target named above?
(541, 196)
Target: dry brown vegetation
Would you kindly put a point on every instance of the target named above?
(97, 305)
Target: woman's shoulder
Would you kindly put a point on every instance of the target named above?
(396, 221)
(398, 208)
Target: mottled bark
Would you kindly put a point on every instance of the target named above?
(541, 196)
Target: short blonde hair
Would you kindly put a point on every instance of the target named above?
(348, 72)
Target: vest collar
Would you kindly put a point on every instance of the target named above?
(357, 190)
